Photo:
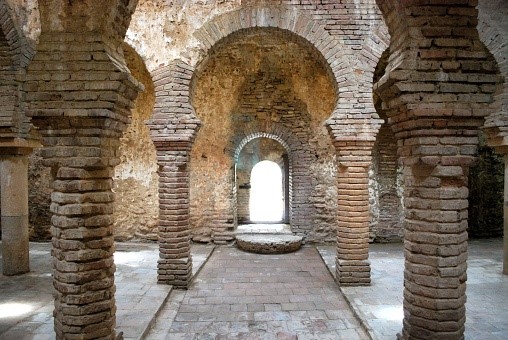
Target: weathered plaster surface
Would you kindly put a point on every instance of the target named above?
(163, 31)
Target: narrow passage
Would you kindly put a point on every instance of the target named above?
(240, 295)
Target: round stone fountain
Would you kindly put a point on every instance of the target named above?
(269, 243)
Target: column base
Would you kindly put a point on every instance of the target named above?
(352, 272)
(175, 272)
(414, 332)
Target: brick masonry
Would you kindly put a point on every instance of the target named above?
(80, 101)
(439, 85)
(173, 127)
(16, 53)
(354, 119)
(436, 90)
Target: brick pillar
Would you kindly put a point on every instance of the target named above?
(505, 238)
(80, 101)
(435, 198)
(14, 198)
(82, 229)
(173, 128)
(175, 263)
(354, 159)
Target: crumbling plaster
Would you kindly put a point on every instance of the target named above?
(26, 13)
(163, 31)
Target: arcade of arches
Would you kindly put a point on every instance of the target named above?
(144, 119)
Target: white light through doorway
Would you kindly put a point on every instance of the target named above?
(266, 201)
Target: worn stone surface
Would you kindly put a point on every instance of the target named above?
(79, 94)
(269, 243)
(27, 16)
(136, 180)
(39, 197)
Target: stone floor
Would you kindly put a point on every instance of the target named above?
(26, 301)
(256, 296)
(380, 305)
(240, 295)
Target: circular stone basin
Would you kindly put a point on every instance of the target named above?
(269, 244)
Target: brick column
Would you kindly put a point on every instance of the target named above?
(435, 198)
(80, 101)
(354, 159)
(14, 198)
(82, 228)
(173, 128)
(175, 263)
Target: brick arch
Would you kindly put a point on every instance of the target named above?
(492, 27)
(15, 55)
(278, 133)
(297, 172)
(20, 51)
(349, 118)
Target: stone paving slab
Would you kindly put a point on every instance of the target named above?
(26, 301)
(380, 305)
(240, 295)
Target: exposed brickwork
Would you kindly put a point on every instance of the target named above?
(295, 134)
(352, 21)
(387, 212)
(257, 150)
(15, 54)
(173, 123)
(353, 160)
(354, 117)
(80, 101)
(355, 110)
(173, 127)
(16, 143)
(255, 81)
(136, 181)
(437, 87)
(492, 26)
(291, 146)
(175, 263)
(109, 17)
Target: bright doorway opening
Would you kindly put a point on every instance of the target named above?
(266, 201)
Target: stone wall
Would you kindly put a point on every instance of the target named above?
(135, 178)
(135, 181)
(486, 180)
(27, 16)
(351, 21)
(386, 192)
(39, 198)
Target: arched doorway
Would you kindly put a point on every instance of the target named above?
(262, 182)
(266, 201)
